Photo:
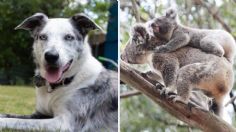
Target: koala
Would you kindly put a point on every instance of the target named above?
(201, 100)
(186, 68)
(217, 42)
(197, 97)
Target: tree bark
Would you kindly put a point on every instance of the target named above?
(194, 117)
(130, 93)
(135, 10)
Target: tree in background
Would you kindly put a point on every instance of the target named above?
(137, 112)
(16, 62)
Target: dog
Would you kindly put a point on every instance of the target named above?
(74, 92)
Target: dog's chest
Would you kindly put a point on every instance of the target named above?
(52, 103)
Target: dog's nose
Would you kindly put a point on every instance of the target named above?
(51, 57)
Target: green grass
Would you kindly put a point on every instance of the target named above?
(17, 99)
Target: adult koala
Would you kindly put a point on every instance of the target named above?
(185, 69)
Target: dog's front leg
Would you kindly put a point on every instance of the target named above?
(55, 124)
(35, 115)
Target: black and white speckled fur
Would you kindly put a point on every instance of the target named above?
(89, 102)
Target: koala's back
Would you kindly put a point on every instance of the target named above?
(217, 66)
(197, 69)
(189, 55)
(221, 37)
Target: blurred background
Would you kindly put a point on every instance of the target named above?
(16, 62)
(138, 113)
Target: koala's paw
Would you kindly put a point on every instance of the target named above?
(161, 49)
(138, 40)
(177, 98)
(170, 91)
(139, 35)
(199, 107)
(159, 87)
(218, 53)
(166, 92)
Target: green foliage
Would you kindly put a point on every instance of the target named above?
(16, 62)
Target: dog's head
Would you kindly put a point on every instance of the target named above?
(59, 43)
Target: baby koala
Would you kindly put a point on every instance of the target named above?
(217, 42)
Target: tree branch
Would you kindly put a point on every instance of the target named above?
(215, 15)
(196, 118)
(230, 101)
(135, 10)
(130, 93)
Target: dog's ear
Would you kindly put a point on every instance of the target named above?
(32, 22)
(83, 23)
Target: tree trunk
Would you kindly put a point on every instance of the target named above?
(204, 120)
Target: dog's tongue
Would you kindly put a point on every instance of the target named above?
(53, 75)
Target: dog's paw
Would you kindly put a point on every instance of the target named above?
(3, 115)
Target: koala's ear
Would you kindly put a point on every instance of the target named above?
(171, 13)
(32, 22)
(83, 23)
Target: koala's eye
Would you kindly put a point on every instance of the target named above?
(43, 37)
(159, 20)
(69, 37)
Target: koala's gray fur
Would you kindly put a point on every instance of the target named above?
(186, 68)
(218, 42)
(197, 97)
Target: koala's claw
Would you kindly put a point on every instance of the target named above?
(177, 98)
(138, 40)
(160, 49)
(189, 104)
(159, 87)
(171, 95)
(199, 107)
(169, 91)
(163, 93)
(220, 54)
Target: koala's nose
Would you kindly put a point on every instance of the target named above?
(51, 57)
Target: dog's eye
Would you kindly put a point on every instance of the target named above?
(43, 37)
(69, 37)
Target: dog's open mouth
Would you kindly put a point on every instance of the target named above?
(54, 73)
